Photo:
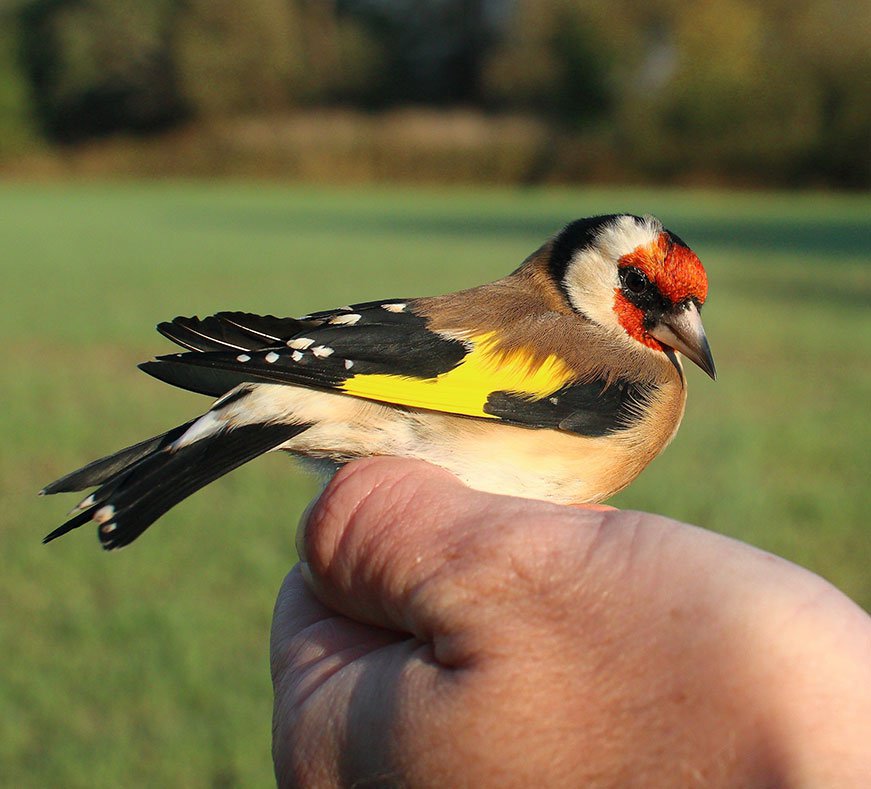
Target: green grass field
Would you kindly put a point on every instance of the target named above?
(149, 667)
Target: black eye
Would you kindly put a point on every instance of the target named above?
(634, 281)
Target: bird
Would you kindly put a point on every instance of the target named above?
(560, 381)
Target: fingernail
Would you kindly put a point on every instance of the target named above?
(594, 507)
(301, 528)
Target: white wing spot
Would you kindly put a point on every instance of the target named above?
(553, 400)
(104, 514)
(322, 351)
(398, 307)
(243, 357)
(300, 343)
(296, 356)
(348, 364)
(108, 528)
(271, 357)
(346, 320)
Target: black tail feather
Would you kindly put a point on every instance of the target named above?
(73, 523)
(99, 471)
(139, 493)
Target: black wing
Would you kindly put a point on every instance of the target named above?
(322, 350)
(327, 349)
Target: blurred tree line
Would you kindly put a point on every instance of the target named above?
(774, 91)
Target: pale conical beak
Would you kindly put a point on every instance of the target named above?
(683, 331)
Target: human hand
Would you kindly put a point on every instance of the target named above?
(438, 636)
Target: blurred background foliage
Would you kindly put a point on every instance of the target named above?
(711, 91)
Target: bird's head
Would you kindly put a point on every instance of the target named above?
(631, 275)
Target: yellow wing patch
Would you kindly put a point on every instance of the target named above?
(465, 389)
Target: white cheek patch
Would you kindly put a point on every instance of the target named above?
(592, 276)
(590, 283)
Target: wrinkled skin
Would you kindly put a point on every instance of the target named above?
(437, 636)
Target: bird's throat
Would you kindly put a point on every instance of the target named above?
(632, 320)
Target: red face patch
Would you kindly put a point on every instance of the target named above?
(632, 319)
(676, 273)
(675, 270)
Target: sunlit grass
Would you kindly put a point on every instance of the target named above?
(150, 667)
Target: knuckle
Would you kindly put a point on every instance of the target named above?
(369, 512)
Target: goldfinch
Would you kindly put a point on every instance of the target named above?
(561, 381)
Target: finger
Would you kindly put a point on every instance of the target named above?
(404, 545)
(300, 620)
(316, 657)
(309, 641)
